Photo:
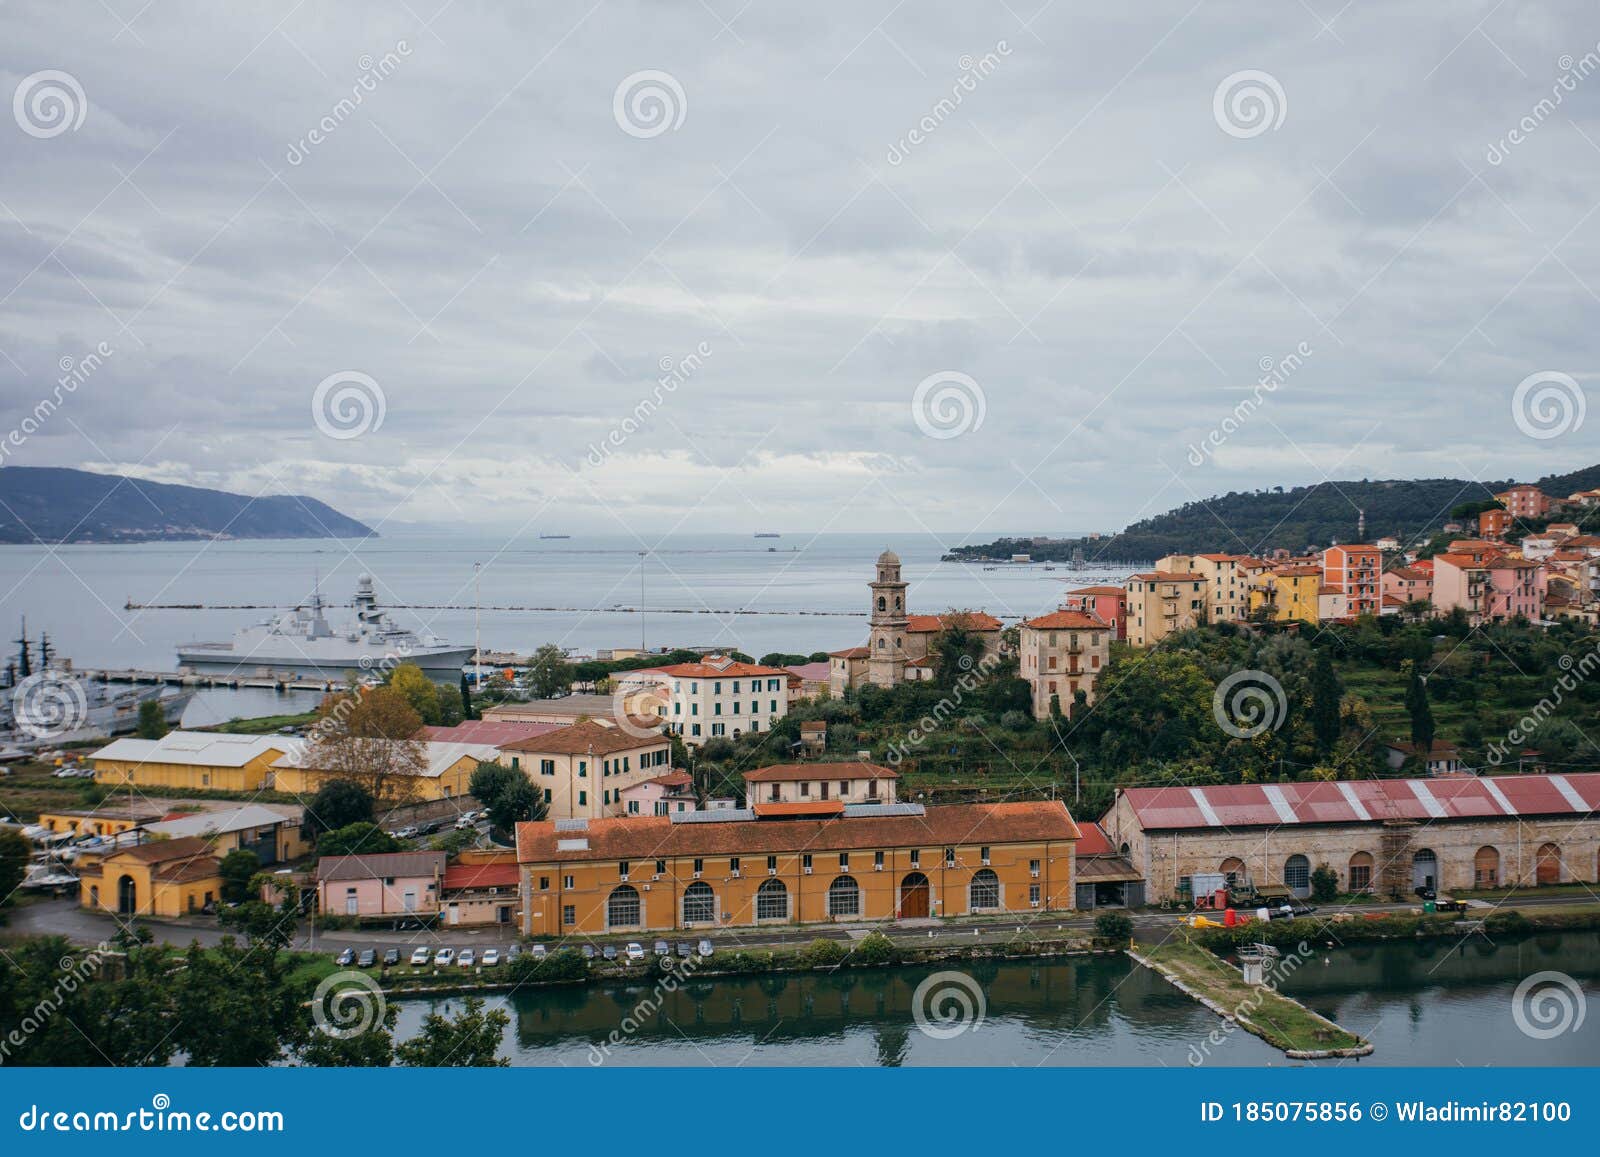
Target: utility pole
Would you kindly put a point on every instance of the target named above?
(477, 622)
(642, 555)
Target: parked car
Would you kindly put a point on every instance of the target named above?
(705, 948)
(609, 952)
(588, 952)
(538, 952)
(513, 953)
(635, 950)
(466, 820)
(663, 948)
(685, 948)
(1425, 892)
(367, 958)
(444, 957)
(346, 958)
(467, 958)
(491, 957)
(419, 956)
(409, 832)
(391, 957)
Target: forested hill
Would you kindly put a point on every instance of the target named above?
(54, 504)
(1245, 522)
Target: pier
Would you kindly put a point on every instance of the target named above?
(266, 681)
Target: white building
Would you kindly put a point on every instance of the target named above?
(716, 697)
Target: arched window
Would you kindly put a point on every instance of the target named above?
(882, 644)
(897, 602)
(1486, 868)
(881, 603)
(699, 903)
(844, 897)
(622, 907)
(1425, 869)
(772, 901)
(1297, 875)
(1361, 872)
(1233, 869)
(984, 891)
(1547, 865)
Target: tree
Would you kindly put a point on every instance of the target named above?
(372, 1048)
(238, 866)
(956, 649)
(518, 803)
(1324, 883)
(264, 927)
(1326, 695)
(468, 711)
(1421, 713)
(152, 720)
(549, 673)
(358, 838)
(419, 691)
(490, 781)
(337, 804)
(470, 1040)
(1113, 926)
(14, 854)
(235, 1006)
(366, 735)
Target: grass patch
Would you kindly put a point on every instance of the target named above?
(1576, 891)
(1283, 1023)
(264, 725)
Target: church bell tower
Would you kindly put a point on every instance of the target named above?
(887, 665)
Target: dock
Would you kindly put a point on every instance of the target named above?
(266, 681)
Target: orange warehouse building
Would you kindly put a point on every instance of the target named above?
(835, 863)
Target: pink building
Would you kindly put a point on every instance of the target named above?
(663, 795)
(1524, 500)
(1516, 587)
(1109, 604)
(1407, 584)
(387, 884)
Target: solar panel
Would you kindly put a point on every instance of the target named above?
(572, 845)
(577, 825)
(717, 816)
(871, 810)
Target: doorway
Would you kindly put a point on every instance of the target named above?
(914, 900)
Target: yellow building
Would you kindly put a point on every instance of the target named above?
(812, 862)
(272, 831)
(442, 770)
(1228, 579)
(1289, 593)
(160, 878)
(192, 760)
(1161, 602)
(100, 822)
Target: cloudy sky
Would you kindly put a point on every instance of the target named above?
(1012, 266)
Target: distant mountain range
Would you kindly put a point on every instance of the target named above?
(1247, 522)
(54, 504)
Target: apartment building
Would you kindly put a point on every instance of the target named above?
(1227, 576)
(1060, 654)
(583, 770)
(1107, 603)
(1287, 594)
(817, 787)
(1161, 602)
(1525, 500)
(1357, 573)
(718, 696)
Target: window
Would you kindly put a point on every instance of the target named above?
(844, 897)
(566, 882)
(699, 903)
(583, 798)
(916, 858)
(1297, 874)
(633, 807)
(569, 914)
(583, 769)
(1361, 872)
(805, 789)
(733, 864)
(516, 763)
(805, 861)
(1033, 893)
(622, 869)
(547, 796)
(661, 867)
(774, 795)
(983, 854)
(699, 865)
(544, 883)
(772, 901)
(877, 860)
(949, 857)
(984, 891)
(844, 861)
(622, 907)
(772, 863)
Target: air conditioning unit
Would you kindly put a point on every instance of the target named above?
(624, 877)
(877, 867)
(986, 861)
(656, 876)
(697, 875)
(646, 887)
(808, 871)
(734, 873)
(772, 871)
(1034, 874)
(1033, 903)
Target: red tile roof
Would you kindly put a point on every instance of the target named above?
(1180, 576)
(970, 620)
(1068, 621)
(796, 772)
(657, 837)
(480, 876)
(851, 653)
(799, 807)
(491, 731)
(814, 672)
(1093, 841)
(1363, 801)
(586, 737)
(1097, 591)
(716, 670)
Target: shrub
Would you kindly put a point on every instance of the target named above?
(876, 948)
(564, 964)
(823, 954)
(1324, 883)
(1113, 926)
(1015, 720)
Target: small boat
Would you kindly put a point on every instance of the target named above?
(767, 534)
(544, 536)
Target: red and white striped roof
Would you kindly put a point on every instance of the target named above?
(1364, 801)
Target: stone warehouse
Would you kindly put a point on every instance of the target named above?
(729, 868)
(1387, 836)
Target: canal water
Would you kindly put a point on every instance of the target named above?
(1422, 1004)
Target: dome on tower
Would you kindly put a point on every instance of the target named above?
(888, 558)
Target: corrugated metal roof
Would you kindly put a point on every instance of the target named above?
(1364, 801)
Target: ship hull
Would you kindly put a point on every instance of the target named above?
(437, 663)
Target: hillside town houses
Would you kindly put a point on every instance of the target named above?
(627, 840)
